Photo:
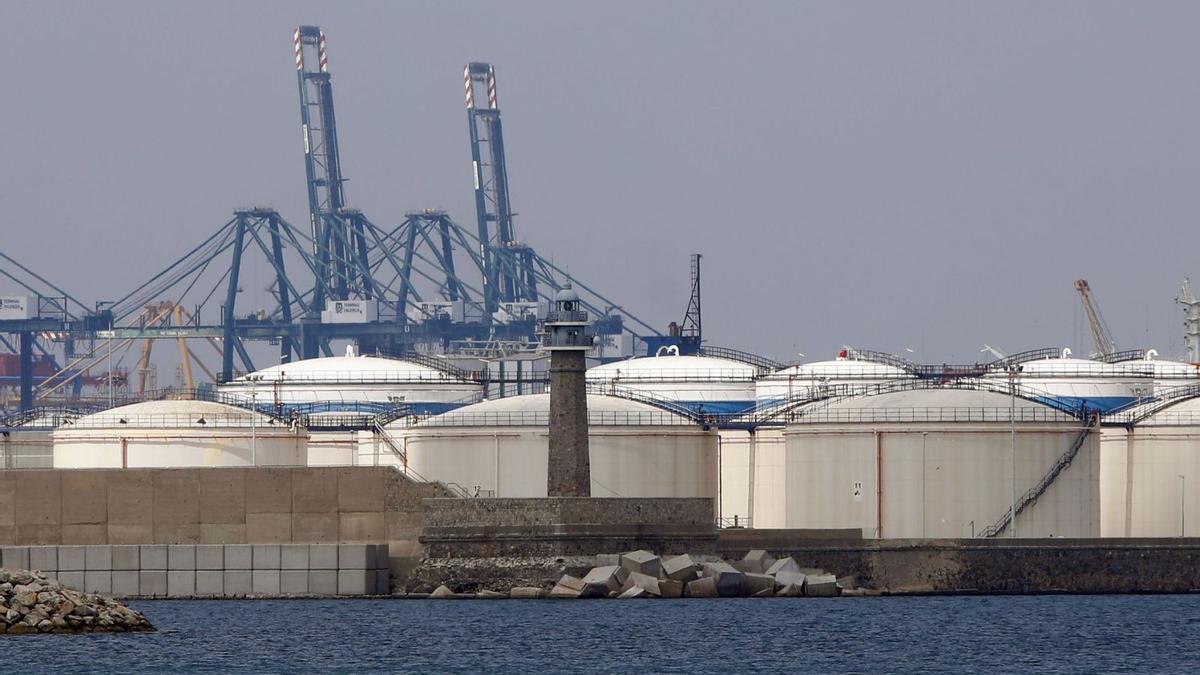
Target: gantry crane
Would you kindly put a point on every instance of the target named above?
(508, 264)
(339, 245)
(1101, 337)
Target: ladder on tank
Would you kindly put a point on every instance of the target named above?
(1032, 495)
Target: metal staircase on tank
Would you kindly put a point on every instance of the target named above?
(1034, 493)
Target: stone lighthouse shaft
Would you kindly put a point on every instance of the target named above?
(569, 464)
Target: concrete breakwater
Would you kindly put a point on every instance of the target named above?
(212, 570)
(31, 602)
(642, 574)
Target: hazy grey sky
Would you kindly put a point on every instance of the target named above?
(930, 175)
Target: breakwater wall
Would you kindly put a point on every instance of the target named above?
(211, 570)
(991, 565)
(285, 505)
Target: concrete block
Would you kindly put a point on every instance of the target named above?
(788, 579)
(126, 558)
(85, 497)
(181, 557)
(680, 568)
(238, 583)
(293, 557)
(239, 557)
(323, 556)
(98, 581)
(322, 582)
(764, 593)
(152, 583)
(210, 557)
(847, 583)
(72, 579)
(70, 559)
(441, 592)
(728, 579)
(758, 561)
(153, 556)
(608, 559)
(643, 562)
(15, 557)
(382, 556)
(603, 580)
(293, 582)
(383, 582)
(355, 582)
(181, 583)
(44, 558)
(642, 581)
(125, 583)
(526, 593)
(634, 592)
(265, 582)
(821, 586)
(783, 565)
(704, 587)
(266, 557)
(669, 588)
(560, 592)
(790, 591)
(314, 492)
(210, 583)
(753, 584)
(354, 557)
(97, 558)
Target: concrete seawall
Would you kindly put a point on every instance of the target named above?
(211, 570)
(302, 505)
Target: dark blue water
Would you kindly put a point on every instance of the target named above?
(1077, 634)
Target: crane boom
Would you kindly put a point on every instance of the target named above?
(1191, 322)
(1101, 336)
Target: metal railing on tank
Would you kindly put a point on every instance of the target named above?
(762, 363)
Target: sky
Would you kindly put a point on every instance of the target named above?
(924, 176)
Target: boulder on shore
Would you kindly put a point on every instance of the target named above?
(35, 603)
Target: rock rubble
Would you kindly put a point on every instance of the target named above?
(31, 602)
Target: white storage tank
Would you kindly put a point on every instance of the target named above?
(338, 383)
(1075, 383)
(25, 438)
(1150, 468)
(810, 379)
(499, 447)
(928, 462)
(177, 433)
(1167, 374)
(704, 384)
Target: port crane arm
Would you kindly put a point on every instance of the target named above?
(1101, 336)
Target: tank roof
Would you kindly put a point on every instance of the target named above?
(172, 413)
(930, 404)
(673, 367)
(534, 409)
(338, 369)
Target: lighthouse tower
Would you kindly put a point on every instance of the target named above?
(563, 335)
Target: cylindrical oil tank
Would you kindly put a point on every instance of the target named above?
(1080, 384)
(705, 384)
(177, 433)
(810, 379)
(338, 383)
(499, 448)
(1168, 374)
(25, 438)
(1150, 468)
(930, 462)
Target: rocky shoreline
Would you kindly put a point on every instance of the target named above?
(31, 602)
